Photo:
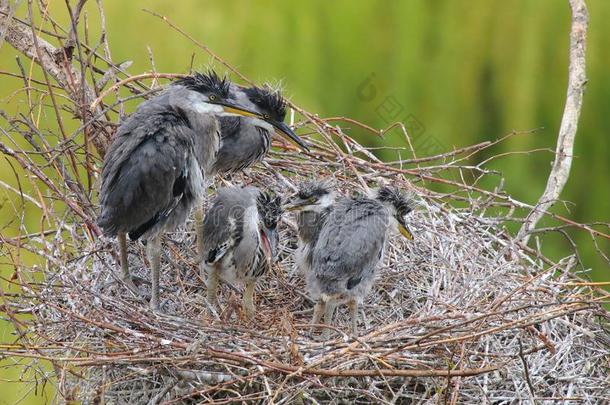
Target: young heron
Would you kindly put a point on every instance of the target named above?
(247, 140)
(239, 240)
(314, 202)
(160, 163)
(348, 250)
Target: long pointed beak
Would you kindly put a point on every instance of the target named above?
(404, 231)
(295, 205)
(284, 129)
(280, 127)
(237, 110)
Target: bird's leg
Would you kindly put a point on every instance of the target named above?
(154, 256)
(213, 280)
(122, 237)
(329, 311)
(318, 311)
(249, 298)
(199, 230)
(125, 276)
(202, 270)
(353, 312)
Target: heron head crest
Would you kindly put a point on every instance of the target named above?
(206, 83)
(399, 200)
(268, 101)
(313, 189)
(270, 209)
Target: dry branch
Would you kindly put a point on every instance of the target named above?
(577, 78)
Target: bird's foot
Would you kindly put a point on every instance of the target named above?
(154, 304)
(128, 282)
(196, 345)
(326, 333)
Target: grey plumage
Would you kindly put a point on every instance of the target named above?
(159, 163)
(314, 202)
(244, 142)
(152, 172)
(239, 239)
(349, 247)
(247, 140)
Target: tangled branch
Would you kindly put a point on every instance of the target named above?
(463, 313)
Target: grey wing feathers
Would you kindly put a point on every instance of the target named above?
(243, 144)
(144, 170)
(224, 221)
(350, 244)
(309, 225)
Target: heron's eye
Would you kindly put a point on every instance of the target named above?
(212, 97)
(266, 116)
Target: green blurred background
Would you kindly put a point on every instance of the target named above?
(459, 72)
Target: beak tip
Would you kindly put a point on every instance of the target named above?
(405, 232)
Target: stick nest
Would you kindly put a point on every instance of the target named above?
(463, 314)
(460, 312)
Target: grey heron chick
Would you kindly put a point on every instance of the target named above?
(349, 248)
(313, 202)
(246, 140)
(240, 240)
(159, 164)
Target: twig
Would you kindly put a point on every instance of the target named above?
(94, 104)
(527, 373)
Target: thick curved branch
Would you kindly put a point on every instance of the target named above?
(569, 123)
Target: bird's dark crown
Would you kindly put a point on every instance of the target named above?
(270, 209)
(268, 101)
(313, 189)
(206, 83)
(394, 196)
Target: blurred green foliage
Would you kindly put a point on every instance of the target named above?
(460, 72)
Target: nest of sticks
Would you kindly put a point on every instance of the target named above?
(465, 313)
(461, 312)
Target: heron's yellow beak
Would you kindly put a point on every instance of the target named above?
(298, 204)
(404, 231)
(280, 127)
(238, 111)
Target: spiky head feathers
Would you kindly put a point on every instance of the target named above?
(399, 200)
(269, 209)
(313, 189)
(269, 101)
(206, 83)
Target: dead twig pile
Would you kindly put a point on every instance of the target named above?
(465, 313)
